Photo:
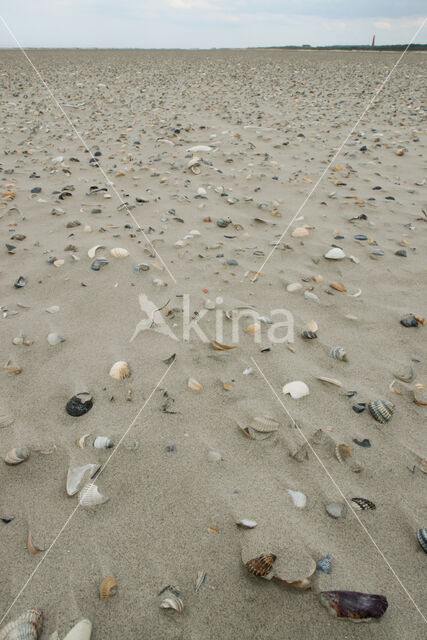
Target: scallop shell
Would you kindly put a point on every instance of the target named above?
(120, 370)
(381, 410)
(90, 497)
(342, 451)
(27, 626)
(297, 389)
(118, 252)
(194, 385)
(363, 503)
(77, 406)
(17, 455)
(354, 605)
(171, 599)
(102, 442)
(422, 539)
(81, 631)
(262, 565)
(338, 353)
(108, 588)
(77, 476)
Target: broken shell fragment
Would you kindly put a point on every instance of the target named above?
(407, 375)
(381, 410)
(261, 566)
(222, 347)
(342, 451)
(194, 385)
(77, 406)
(300, 232)
(17, 455)
(246, 524)
(27, 626)
(31, 545)
(335, 509)
(92, 252)
(422, 539)
(9, 367)
(108, 588)
(77, 476)
(338, 353)
(91, 497)
(354, 605)
(102, 442)
(298, 498)
(81, 442)
(98, 263)
(120, 370)
(201, 577)
(171, 599)
(54, 339)
(338, 286)
(118, 252)
(363, 503)
(308, 335)
(81, 631)
(296, 389)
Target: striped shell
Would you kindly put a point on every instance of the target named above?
(27, 627)
(90, 496)
(338, 353)
(171, 599)
(118, 252)
(108, 588)
(363, 503)
(381, 410)
(17, 455)
(342, 451)
(262, 565)
(422, 538)
(308, 335)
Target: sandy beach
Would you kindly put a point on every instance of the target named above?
(185, 140)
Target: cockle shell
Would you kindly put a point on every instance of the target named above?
(342, 451)
(120, 370)
(77, 476)
(27, 626)
(363, 503)
(422, 539)
(17, 455)
(381, 410)
(171, 599)
(81, 631)
(102, 442)
(108, 588)
(335, 254)
(297, 389)
(354, 605)
(118, 252)
(90, 497)
(261, 566)
(338, 353)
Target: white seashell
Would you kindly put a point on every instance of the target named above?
(311, 296)
(102, 442)
(118, 252)
(297, 389)
(77, 476)
(92, 251)
(81, 631)
(337, 383)
(53, 309)
(246, 524)
(200, 147)
(194, 232)
(120, 370)
(58, 263)
(17, 455)
(294, 286)
(54, 339)
(193, 162)
(201, 191)
(172, 599)
(81, 442)
(90, 497)
(27, 626)
(299, 499)
(335, 254)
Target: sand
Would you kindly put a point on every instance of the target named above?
(274, 120)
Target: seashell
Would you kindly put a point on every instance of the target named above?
(334, 381)
(381, 410)
(54, 339)
(6, 421)
(193, 162)
(338, 353)
(102, 442)
(27, 626)
(299, 499)
(17, 455)
(342, 451)
(77, 476)
(253, 328)
(308, 335)
(9, 367)
(422, 539)
(338, 286)
(92, 252)
(262, 565)
(324, 564)
(90, 497)
(200, 147)
(354, 605)
(246, 524)
(172, 599)
(21, 282)
(201, 577)
(194, 385)
(296, 389)
(108, 588)
(31, 545)
(19, 339)
(359, 407)
(76, 406)
(311, 296)
(81, 442)
(141, 266)
(407, 375)
(334, 254)
(300, 232)
(335, 509)
(222, 347)
(291, 564)
(58, 263)
(293, 286)
(363, 503)
(98, 263)
(264, 424)
(118, 252)
(120, 370)
(409, 321)
(81, 631)
(358, 467)
(53, 309)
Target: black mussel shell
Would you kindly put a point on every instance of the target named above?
(354, 605)
(77, 407)
(422, 539)
(363, 503)
(362, 443)
(21, 282)
(359, 407)
(98, 263)
(409, 321)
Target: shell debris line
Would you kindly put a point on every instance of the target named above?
(212, 304)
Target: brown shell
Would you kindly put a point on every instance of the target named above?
(342, 451)
(262, 565)
(354, 605)
(363, 503)
(31, 545)
(222, 347)
(108, 588)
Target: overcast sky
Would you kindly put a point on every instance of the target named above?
(150, 24)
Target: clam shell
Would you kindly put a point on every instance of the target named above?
(363, 503)
(54, 339)
(17, 455)
(90, 497)
(297, 389)
(422, 539)
(118, 252)
(381, 410)
(262, 565)
(171, 599)
(108, 588)
(409, 321)
(81, 631)
(102, 442)
(342, 451)
(77, 476)
(294, 567)
(77, 406)
(194, 385)
(246, 524)
(120, 370)
(300, 232)
(27, 626)
(354, 605)
(335, 254)
(338, 353)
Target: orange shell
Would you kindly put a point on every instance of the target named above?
(262, 565)
(108, 588)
